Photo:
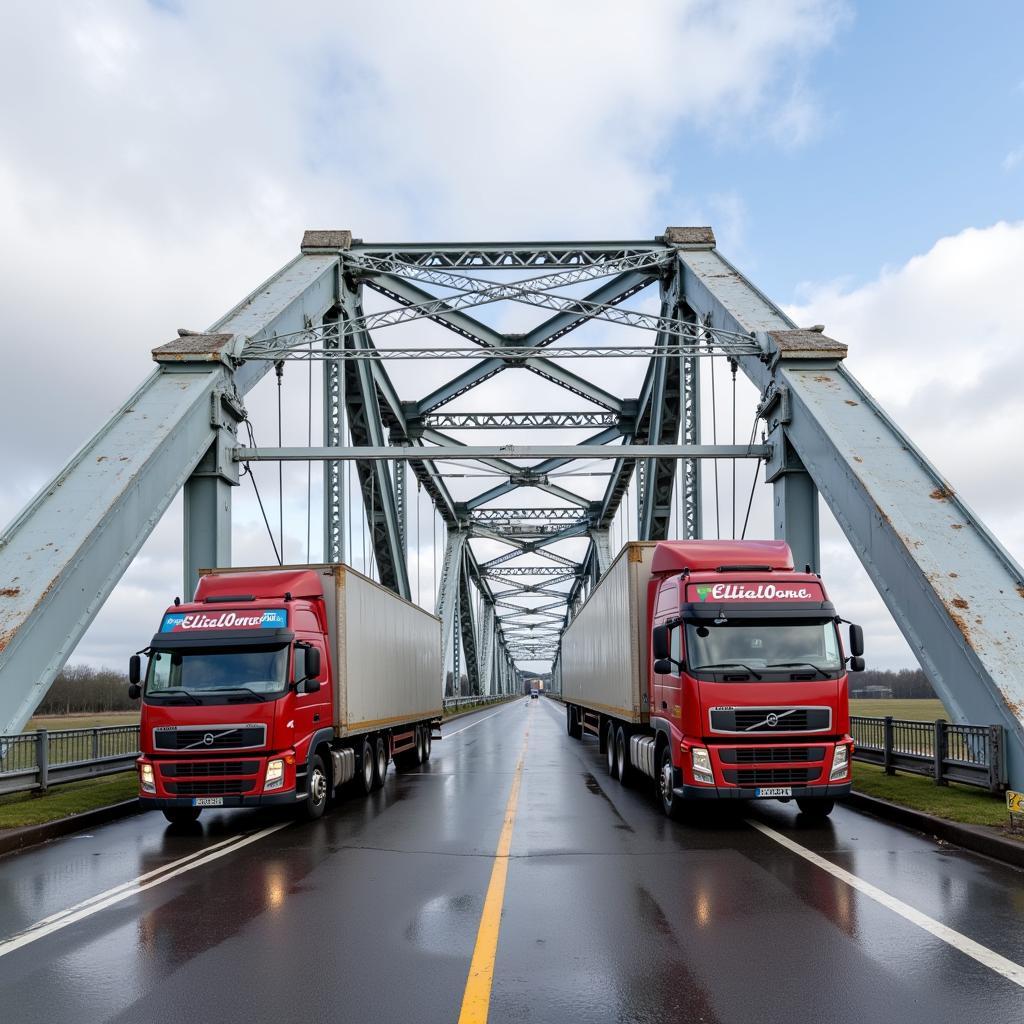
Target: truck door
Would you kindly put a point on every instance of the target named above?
(312, 710)
(666, 687)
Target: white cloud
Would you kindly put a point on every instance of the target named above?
(935, 342)
(163, 159)
(1013, 159)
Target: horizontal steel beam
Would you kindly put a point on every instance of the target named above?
(518, 420)
(452, 453)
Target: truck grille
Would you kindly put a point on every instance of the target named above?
(761, 720)
(211, 787)
(210, 737)
(207, 769)
(771, 776)
(769, 755)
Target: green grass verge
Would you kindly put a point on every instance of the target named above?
(83, 721)
(915, 710)
(954, 803)
(474, 707)
(20, 809)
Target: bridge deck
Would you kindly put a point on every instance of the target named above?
(611, 912)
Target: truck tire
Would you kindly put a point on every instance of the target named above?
(317, 785)
(380, 762)
(815, 806)
(609, 750)
(427, 741)
(627, 774)
(182, 815)
(365, 773)
(573, 724)
(670, 803)
(420, 743)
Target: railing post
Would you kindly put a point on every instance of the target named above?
(95, 744)
(995, 758)
(939, 751)
(887, 746)
(42, 758)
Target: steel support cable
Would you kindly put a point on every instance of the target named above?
(753, 482)
(714, 440)
(309, 462)
(733, 366)
(279, 370)
(247, 471)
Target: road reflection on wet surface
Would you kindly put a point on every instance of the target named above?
(611, 912)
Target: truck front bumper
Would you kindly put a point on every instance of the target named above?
(830, 792)
(161, 803)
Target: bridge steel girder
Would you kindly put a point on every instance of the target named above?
(467, 628)
(448, 599)
(956, 594)
(63, 554)
(366, 427)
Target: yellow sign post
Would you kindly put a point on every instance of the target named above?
(1015, 805)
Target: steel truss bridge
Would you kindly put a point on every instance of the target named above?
(956, 594)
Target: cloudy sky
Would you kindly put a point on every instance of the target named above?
(863, 163)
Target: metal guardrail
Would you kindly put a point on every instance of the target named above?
(44, 758)
(459, 702)
(969, 754)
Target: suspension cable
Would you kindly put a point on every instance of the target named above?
(714, 440)
(247, 471)
(309, 462)
(732, 366)
(279, 370)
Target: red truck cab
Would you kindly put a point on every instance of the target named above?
(748, 677)
(229, 708)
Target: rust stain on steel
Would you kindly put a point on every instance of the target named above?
(850, 401)
(6, 638)
(10, 591)
(1020, 589)
(956, 526)
(959, 602)
(857, 458)
(942, 493)
(954, 575)
(101, 458)
(965, 629)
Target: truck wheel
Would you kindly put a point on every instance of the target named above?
(815, 806)
(573, 718)
(317, 785)
(626, 773)
(365, 775)
(380, 762)
(419, 745)
(671, 804)
(427, 734)
(182, 815)
(609, 750)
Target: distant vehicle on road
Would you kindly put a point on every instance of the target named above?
(718, 671)
(534, 694)
(275, 686)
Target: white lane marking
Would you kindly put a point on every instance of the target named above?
(57, 922)
(477, 722)
(169, 866)
(989, 958)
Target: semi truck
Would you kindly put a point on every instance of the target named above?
(716, 670)
(276, 686)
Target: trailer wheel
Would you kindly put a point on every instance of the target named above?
(366, 773)
(427, 742)
(573, 724)
(671, 804)
(815, 806)
(419, 745)
(317, 785)
(182, 815)
(380, 763)
(609, 749)
(626, 772)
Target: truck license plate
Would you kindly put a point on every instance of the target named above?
(774, 791)
(207, 801)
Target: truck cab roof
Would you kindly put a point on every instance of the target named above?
(693, 556)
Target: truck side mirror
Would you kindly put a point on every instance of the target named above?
(857, 664)
(856, 640)
(311, 686)
(134, 670)
(312, 665)
(134, 691)
(660, 643)
(663, 667)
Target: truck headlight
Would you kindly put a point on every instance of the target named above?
(840, 762)
(700, 761)
(275, 774)
(146, 778)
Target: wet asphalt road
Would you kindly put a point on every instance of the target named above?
(611, 912)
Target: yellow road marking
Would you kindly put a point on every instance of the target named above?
(476, 1000)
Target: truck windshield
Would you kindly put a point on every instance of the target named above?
(778, 646)
(251, 672)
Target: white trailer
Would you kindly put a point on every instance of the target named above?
(605, 654)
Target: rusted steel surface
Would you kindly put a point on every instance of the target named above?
(955, 592)
(193, 347)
